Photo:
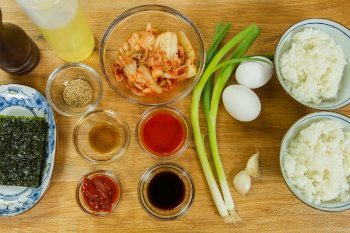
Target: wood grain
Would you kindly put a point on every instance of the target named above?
(269, 207)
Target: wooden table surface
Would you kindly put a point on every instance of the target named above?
(269, 207)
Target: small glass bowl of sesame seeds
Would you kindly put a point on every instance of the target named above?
(74, 89)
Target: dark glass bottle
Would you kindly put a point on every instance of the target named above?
(19, 54)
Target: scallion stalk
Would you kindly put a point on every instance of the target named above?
(218, 88)
(219, 34)
(196, 96)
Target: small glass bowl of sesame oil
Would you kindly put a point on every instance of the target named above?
(101, 136)
(74, 89)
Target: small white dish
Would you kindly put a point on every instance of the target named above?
(293, 131)
(19, 100)
(341, 36)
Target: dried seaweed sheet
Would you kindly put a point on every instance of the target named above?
(21, 150)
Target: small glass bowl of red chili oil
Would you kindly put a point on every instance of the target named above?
(98, 193)
(166, 191)
(163, 132)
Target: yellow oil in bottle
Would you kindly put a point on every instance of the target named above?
(74, 41)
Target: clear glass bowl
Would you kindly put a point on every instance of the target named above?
(165, 19)
(95, 119)
(179, 210)
(61, 76)
(79, 195)
(294, 130)
(180, 116)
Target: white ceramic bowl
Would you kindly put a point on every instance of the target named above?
(341, 36)
(291, 134)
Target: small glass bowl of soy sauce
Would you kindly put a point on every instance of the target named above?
(166, 191)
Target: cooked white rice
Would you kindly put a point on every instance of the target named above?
(313, 66)
(317, 162)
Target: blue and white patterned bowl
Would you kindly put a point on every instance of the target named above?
(294, 130)
(19, 100)
(341, 36)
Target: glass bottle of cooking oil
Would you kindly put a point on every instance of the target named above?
(63, 25)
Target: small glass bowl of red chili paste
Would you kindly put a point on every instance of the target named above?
(163, 132)
(98, 193)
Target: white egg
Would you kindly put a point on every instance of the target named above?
(241, 102)
(254, 74)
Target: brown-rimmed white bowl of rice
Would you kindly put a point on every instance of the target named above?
(315, 160)
(313, 64)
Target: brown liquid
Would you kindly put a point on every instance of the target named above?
(104, 138)
(18, 53)
(166, 190)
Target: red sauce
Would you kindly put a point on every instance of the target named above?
(163, 133)
(100, 193)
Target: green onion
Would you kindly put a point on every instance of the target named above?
(224, 209)
(218, 88)
(234, 61)
(219, 34)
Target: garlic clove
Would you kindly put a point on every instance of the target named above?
(252, 167)
(242, 182)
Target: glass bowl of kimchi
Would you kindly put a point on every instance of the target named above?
(152, 55)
